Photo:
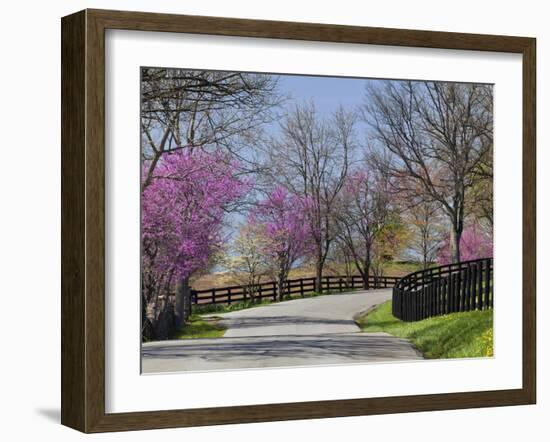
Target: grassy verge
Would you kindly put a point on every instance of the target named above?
(198, 327)
(457, 335)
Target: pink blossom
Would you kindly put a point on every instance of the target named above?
(288, 231)
(183, 210)
(475, 243)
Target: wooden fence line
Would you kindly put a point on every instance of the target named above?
(301, 287)
(458, 287)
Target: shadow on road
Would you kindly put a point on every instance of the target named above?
(350, 347)
(268, 321)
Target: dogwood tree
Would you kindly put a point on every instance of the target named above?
(248, 261)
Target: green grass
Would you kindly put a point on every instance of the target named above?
(401, 268)
(457, 335)
(198, 327)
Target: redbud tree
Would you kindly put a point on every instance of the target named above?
(289, 237)
(183, 210)
(475, 243)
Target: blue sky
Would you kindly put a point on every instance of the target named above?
(326, 92)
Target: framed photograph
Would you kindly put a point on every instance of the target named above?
(266, 221)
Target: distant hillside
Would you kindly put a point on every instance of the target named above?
(222, 279)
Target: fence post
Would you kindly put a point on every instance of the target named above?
(426, 301)
(431, 291)
(437, 297)
(475, 278)
(410, 305)
(479, 291)
(229, 296)
(474, 287)
(457, 292)
(421, 303)
(451, 293)
(447, 282)
(274, 291)
(467, 279)
(487, 282)
(461, 291)
(420, 296)
(490, 279)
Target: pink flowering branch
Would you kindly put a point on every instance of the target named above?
(183, 210)
(289, 236)
(475, 243)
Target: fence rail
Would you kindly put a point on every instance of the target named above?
(293, 287)
(458, 287)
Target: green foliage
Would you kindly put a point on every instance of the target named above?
(198, 327)
(457, 335)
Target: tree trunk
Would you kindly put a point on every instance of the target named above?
(456, 234)
(424, 250)
(147, 329)
(319, 273)
(280, 287)
(183, 302)
(365, 279)
(249, 292)
(165, 326)
(366, 267)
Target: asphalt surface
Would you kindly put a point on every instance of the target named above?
(311, 331)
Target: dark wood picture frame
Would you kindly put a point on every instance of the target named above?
(83, 220)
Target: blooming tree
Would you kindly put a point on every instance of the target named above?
(249, 262)
(289, 235)
(311, 159)
(439, 136)
(182, 216)
(367, 221)
(426, 225)
(475, 243)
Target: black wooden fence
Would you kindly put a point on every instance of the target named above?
(459, 287)
(292, 288)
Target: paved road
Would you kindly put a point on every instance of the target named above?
(308, 316)
(311, 331)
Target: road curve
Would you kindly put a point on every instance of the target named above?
(302, 332)
(329, 314)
